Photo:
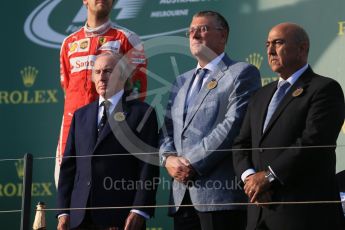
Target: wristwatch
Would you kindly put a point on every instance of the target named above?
(164, 158)
(269, 176)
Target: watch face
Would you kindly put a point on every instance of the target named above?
(269, 176)
(163, 159)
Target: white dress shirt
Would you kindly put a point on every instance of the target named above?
(113, 103)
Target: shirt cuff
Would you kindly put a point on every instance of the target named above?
(63, 214)
(247, 173)
(141, 213)
(275, 176)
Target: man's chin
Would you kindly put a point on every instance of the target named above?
(275, 68)
(101, 92)
(199, 52)
(103, 11)
(194, 52)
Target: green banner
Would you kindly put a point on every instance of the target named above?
(31, 100)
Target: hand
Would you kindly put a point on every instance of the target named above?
(134, 221)
(63, 223)
(179, 168)
(264, 197)
(255, 185)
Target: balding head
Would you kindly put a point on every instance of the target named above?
(287, 48)
(296, 32)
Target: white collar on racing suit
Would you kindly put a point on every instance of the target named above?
(93, 32)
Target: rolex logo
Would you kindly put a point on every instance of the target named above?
(29, 75)
(255, 59)
(12, 189)
(20, 168)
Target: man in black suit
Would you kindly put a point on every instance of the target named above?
(103, 129)
(292, 126)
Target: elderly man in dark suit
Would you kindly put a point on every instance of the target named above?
(92, 174)
(292, 125)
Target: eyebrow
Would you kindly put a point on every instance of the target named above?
(274, 41)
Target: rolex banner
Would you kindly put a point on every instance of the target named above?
(31, 99)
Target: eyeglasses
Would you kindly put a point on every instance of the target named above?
(201, 29)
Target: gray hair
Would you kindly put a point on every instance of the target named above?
(220, 19)
(119, 60)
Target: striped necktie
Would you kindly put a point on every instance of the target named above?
(103, 121)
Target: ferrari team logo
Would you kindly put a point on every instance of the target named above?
(102, 40)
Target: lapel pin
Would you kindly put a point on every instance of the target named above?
(297, 92)
(212, 84)
(119, 116)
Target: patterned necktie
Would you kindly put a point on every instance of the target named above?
(277, 97)
(103, 121)
(198, 79)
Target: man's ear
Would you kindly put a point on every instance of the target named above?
(303, 50)
(224, 36)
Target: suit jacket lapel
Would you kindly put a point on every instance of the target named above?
(180, 100)
(302, 82)
(204, 91)
(91, 125)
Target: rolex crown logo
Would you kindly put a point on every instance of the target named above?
(20, 168)
(29, 74)
(255, 59)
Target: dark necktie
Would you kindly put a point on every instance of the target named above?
(198, 79)
(277, 97)
(104, 118)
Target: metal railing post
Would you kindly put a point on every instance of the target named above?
(26, 196)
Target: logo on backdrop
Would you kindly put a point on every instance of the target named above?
(256, 60)
(29, 75)
(15, 189)
(38, 29)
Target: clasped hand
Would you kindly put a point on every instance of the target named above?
(256, 186)
(179, 168)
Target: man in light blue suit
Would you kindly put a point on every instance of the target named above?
(204, 114)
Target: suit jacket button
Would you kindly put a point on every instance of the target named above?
(88, 183)
(261, 150)
(184, 137)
